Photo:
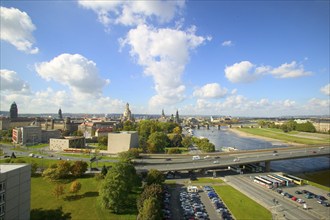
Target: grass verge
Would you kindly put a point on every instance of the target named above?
(209, 181)
(241, 206)
(280, 135)
(84, 206)
(320, 179)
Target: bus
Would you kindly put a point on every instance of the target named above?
(286, 181)
(263, 182)
(250, 168)
(281, 181)
(235, 169)
(290, 181)
(274, 182)
(295, 179)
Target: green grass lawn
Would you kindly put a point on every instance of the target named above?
(280, 135)
(208, 181)
(84, 207)
(241, 206)
(320, 179)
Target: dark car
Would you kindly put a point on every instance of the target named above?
(325, 204)
(168, 159)
(217, 157)
(298, 192)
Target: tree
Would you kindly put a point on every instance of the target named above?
(58, 190)
(79, 168)
(155, 177)
(153, 190)
(129, 126)
(174, 151)
(34, 168)
(186, 141)
(75, 187)
(128, 156)
(150, 210)
(50, 174)
(157, 142)
(63, 168)
(175, 140)
(103, 140)
(119, 181)
(177, 130)
(104, 171)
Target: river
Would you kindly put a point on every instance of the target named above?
(225, 138)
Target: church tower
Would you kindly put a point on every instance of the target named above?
(13, 110)
(177, 119)
(60, 114)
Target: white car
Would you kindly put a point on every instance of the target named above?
(216, 162)
(206, 157)
(236, 160)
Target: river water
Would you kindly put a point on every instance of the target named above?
(225, 138)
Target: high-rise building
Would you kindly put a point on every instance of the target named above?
(15, 191)
(13, 110)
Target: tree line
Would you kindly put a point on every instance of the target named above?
(290, 125)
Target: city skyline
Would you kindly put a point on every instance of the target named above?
(201, 58)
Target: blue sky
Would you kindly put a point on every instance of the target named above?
(238, 58)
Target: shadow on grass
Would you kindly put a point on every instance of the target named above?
(40, 214)
(76, 197)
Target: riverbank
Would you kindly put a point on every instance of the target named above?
(291, 138)
(274, 141)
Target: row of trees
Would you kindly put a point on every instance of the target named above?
(290, 125)
(64, 169)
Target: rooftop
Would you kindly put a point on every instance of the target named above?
(9, 167)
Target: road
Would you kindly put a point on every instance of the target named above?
(186, 163)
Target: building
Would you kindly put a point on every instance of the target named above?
(31, 135)
(122, 141)
(13, 112)
(127, 115)
(89, 128)
(103, 132)
(28, 135)
(15, 191)
(65, 143)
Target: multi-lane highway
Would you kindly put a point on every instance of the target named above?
(235, 158)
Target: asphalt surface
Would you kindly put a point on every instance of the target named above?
(285, 208)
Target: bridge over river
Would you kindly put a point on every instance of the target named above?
(221, 160)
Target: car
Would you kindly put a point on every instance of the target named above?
(236, 160)
(206, 157)
(216, 161)
(168, 159)
(193, 178)
(301, 201)
(275, 151)
(275, 154)
(325, 204)
(308, 196)
(294, 198)
(298, 192)
(314, 152)
(31, 155)
(320, 197)
(216, 157)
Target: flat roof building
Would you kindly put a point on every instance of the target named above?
(122, 141)
(15, 191)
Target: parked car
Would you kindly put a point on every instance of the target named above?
(325, 204)
(298, 192)
(216, 162)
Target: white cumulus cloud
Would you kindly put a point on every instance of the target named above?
(75, 71)
(326, 89)
(10, 81)
(164, 54)
(245, 71)
(227, 43)
(289, 70)
(242, 72)
(133, 12)
(212, 90)
(16, 28)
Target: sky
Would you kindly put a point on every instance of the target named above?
(233, 58)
